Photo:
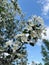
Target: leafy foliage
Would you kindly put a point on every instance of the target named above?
(45, 52)
(14, 33)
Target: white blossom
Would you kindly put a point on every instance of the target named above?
(10, 42)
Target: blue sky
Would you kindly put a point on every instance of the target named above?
(39, 8)
(35, 7)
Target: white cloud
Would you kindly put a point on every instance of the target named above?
(39, 42)
(37, 62)
(45, 6)
(45, 9)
